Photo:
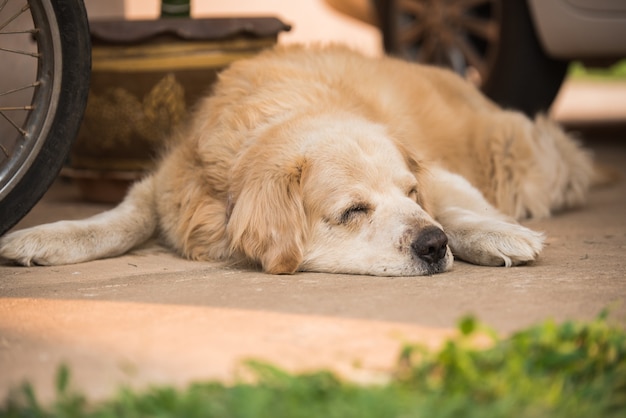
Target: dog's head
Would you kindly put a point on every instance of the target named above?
(334, 195)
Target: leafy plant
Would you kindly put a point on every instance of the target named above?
(615, 72)
(549, 370)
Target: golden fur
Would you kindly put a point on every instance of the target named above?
(321, 159)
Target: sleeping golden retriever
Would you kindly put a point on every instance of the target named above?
(320, 159)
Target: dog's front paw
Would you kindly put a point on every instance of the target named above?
(41, 245)
(497, 243)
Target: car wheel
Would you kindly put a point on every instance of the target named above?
(490, 42)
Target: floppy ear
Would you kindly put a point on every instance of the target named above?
(268, 222)
(420, 171)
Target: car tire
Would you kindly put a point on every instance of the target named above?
(514, 70)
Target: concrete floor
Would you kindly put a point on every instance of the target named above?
(150, 317)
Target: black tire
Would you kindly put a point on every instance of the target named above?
(516, 73)
(59, 101)
(523, 76)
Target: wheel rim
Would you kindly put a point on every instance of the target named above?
(460, 34)
(28, 108)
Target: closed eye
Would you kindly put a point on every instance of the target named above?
(354, 212)
(412, 193)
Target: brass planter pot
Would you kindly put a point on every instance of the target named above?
(146, 75)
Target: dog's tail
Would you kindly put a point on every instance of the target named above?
(108, 234)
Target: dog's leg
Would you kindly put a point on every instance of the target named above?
(477, 232)
(107, 234)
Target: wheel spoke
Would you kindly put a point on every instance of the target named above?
(4, 151)
(470, 4)
(16, 51)
(471, 55)
(412, 7)
(15, 125)
(28, 86)
(5, 21)
(20, 32)
(15, 16)
(411, 35)
(486, 29)
(428, 50)
(7, 108)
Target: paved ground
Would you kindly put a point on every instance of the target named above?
(150, 317)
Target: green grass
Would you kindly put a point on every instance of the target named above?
(549, 370)
(615, 72)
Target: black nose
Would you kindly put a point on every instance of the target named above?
(430, 245)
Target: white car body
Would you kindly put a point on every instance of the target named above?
(581, 29)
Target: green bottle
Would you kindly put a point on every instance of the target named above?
(175, 8)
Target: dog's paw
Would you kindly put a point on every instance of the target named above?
(41, 245)
(497, 243)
